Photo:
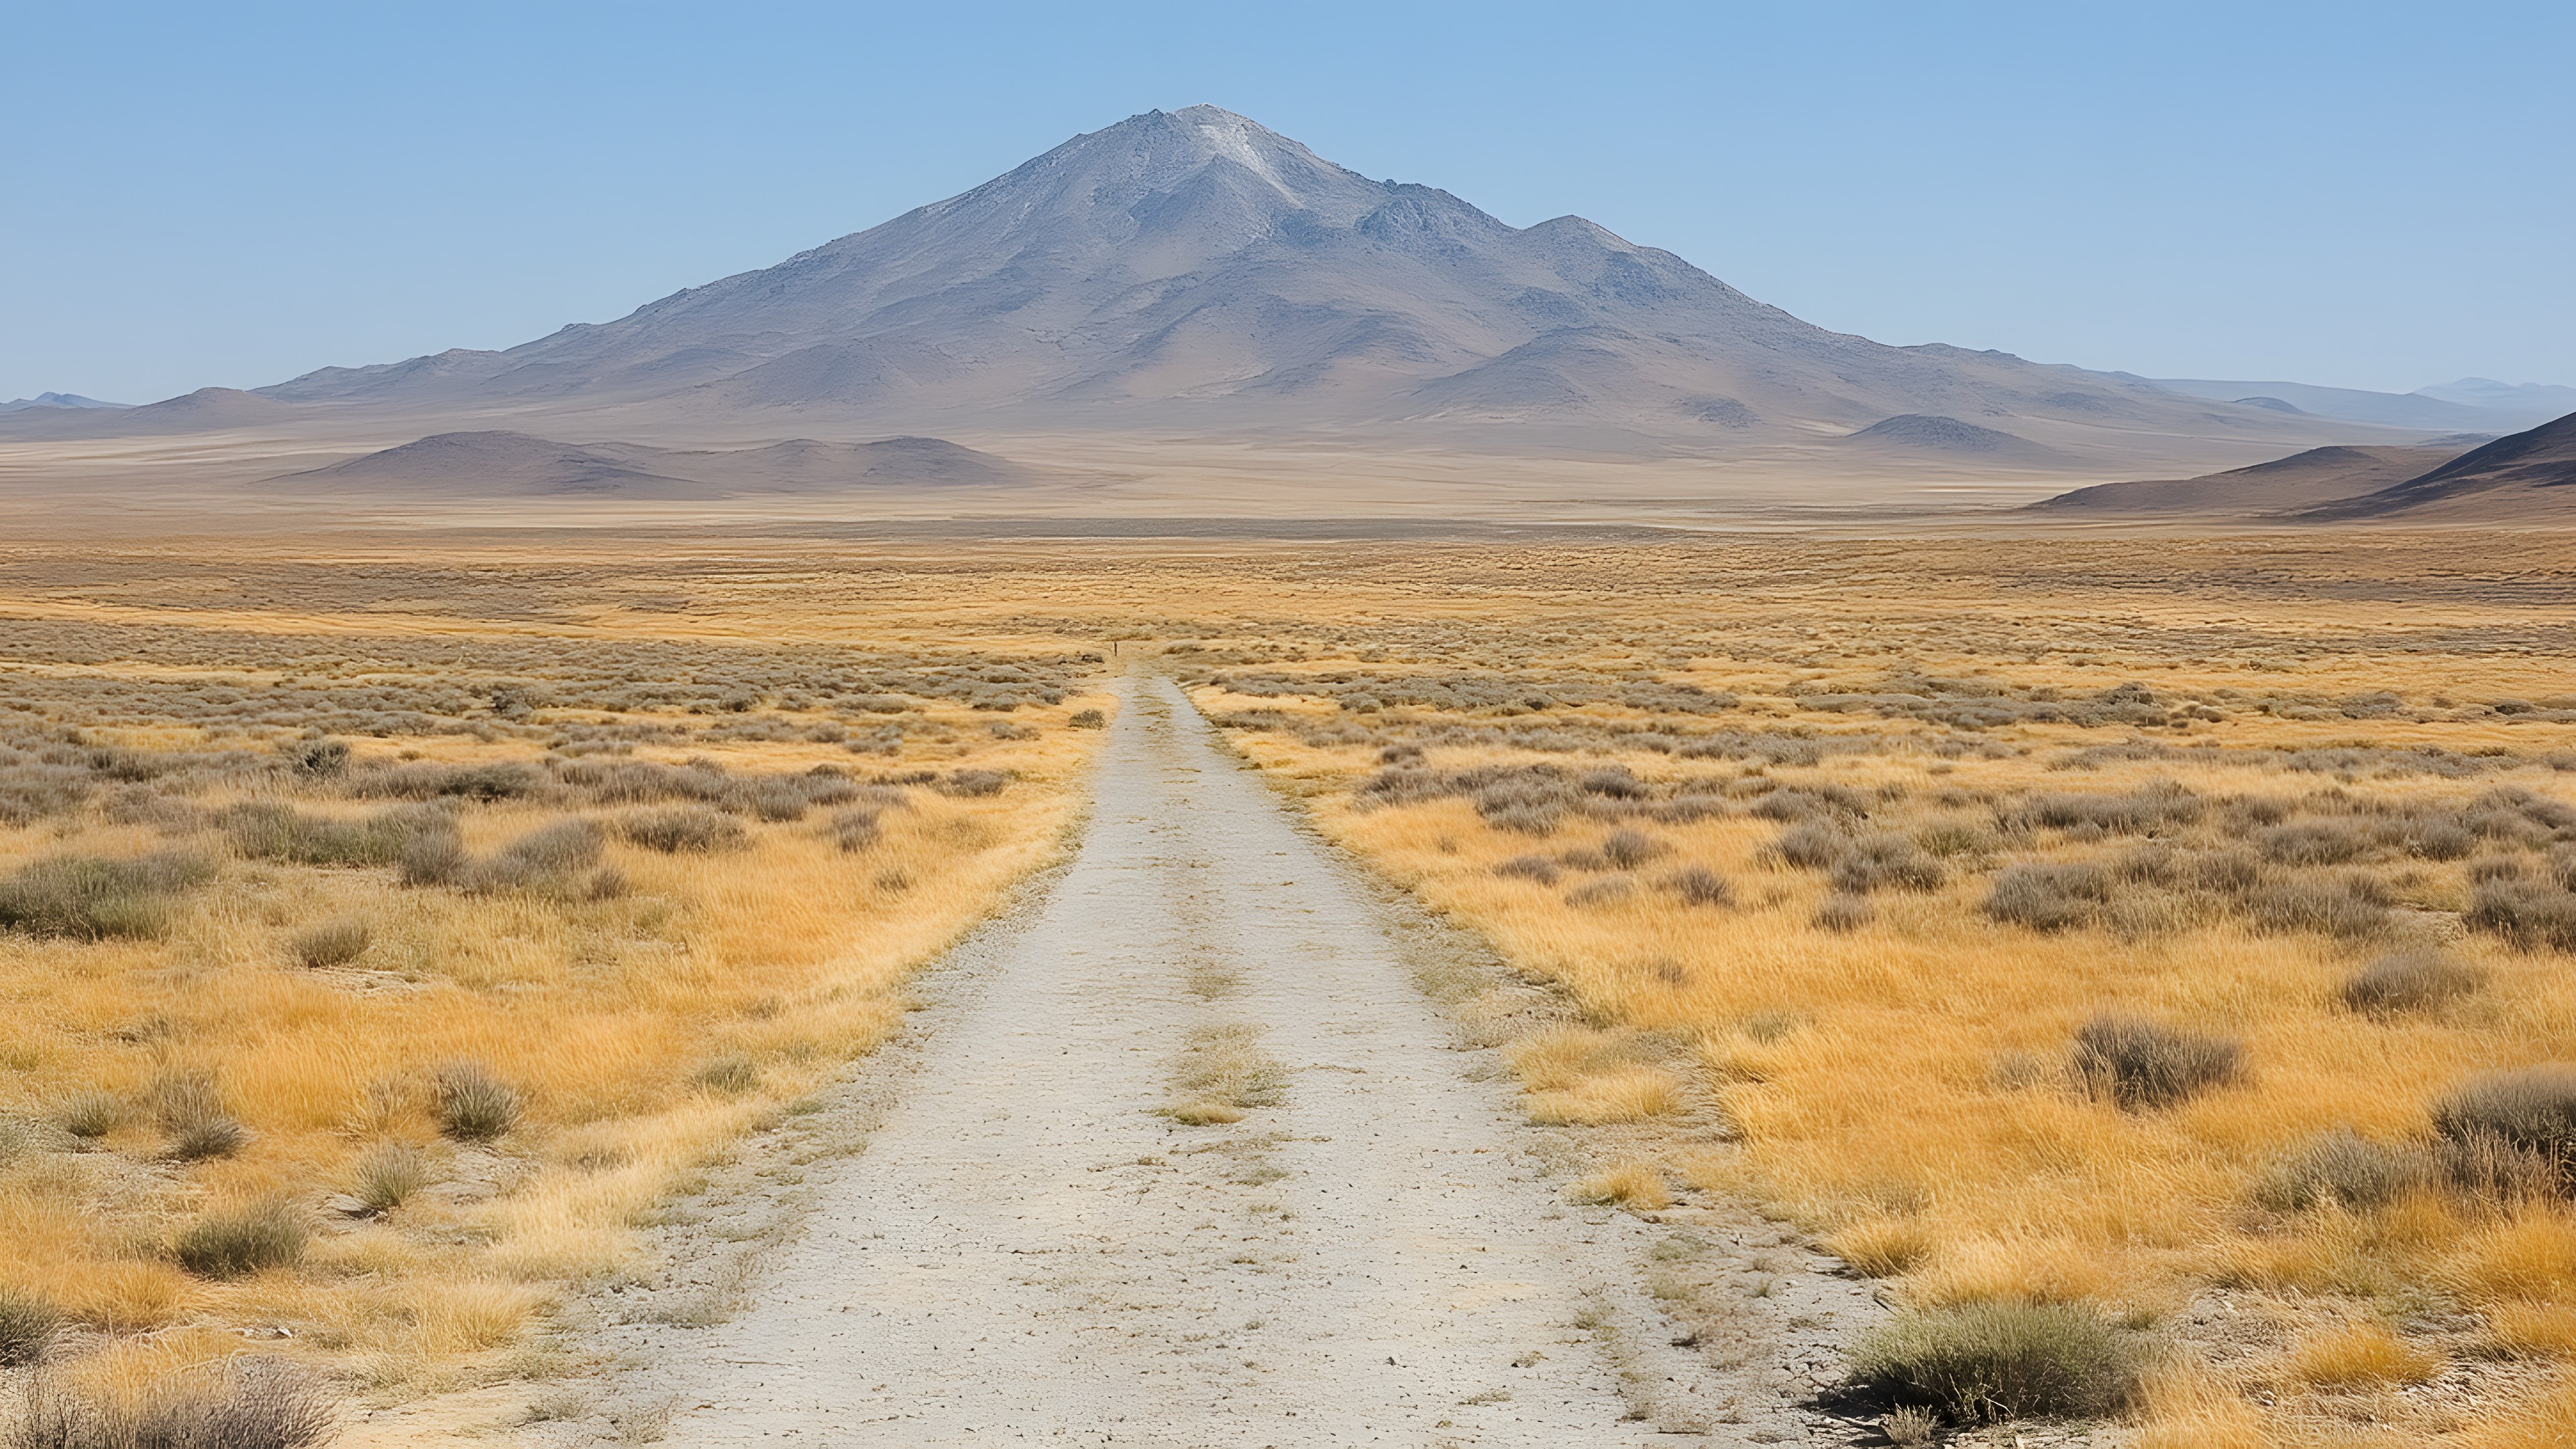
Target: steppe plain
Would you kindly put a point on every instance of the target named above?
(447, 965)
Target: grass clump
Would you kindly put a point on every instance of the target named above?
(27, 1327)
(546, 858)
(1224, 1072)
(697, 829)
(1697, 885)
(2141, 1064)
(269, 830)
(91, 1114)
(731, 1074)
(2362, 1355)
(2529, 913)
(190, 1107)
(2046, 897)
(1087, 719)
(1842, 913)
(332, 943)
(474, 1105)
(85, 898)
(1987, 1362)
(389, 1175)
(2409, 981)
(230, 1243)
(1629, 1184)
(264, 1405)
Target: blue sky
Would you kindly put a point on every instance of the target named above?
(2357, 194)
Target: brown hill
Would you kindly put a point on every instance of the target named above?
(2302, 480)
(502, 464)
(2527, 477)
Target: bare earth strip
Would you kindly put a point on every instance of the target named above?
(1029, 1247)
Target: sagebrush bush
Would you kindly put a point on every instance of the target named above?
(231, 1242)
(1087, 719)
(1698, 885)
(86, 898)
(546, 858)
(332, 943)
(2314, 842)
(1529, 867)
(2342, 1167)
(2139, 1063)
(474, 1105)
(2529, 913)
(2047, 897)
(261, 1405)
(677, 828)
(1810, 845)
(267, 830)
(1884, 862)
(433, 859)
(1842, 912)
(1988, 1362)
(1628, 849)
(2409, 981)
(27, 1326)
(2352, 905)
(853, 830)
(973, 784)
(2531, 1109)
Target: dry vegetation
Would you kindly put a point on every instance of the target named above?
(2150, 957)
(382, 945)
(2154, 960)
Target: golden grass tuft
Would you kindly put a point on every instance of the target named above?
(2361, 1355)
(1636, 1185)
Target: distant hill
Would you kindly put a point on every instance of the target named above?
(503, 464)
(2302, 480)
(2431, 409)
(55, 400)
(1933, 434)
(2529, 477)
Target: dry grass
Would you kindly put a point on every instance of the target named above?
(382, 986)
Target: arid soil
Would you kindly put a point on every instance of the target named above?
(1017, 1225)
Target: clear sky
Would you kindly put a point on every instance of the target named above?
(2358, 194)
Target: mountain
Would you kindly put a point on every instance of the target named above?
(1194, 273)
(2529, 477)
(2543, 399)
(2302, 480)
(505, 464)
(54, 400)
(1915, 432)
(2419, 410)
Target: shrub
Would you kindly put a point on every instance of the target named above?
(474, 1105)
(2138, 1063)
(2409, 981)
(2343, 1167)
(1699, 886)
(1613, 782)
(85, 898)
(1987, 1362)
(1885, 862)
(1087, 719)
(332, 943)
(2140, 812)
(972, 784)
(317, 759)
(2313, 842)
(1841, 913)
(2529, 913)
(547, 857)
(27, 1327)
(676, 828)
(1529, 867)
(2531, 1110)
(233, 1242)
(2048, 897)
(1608, 890)
(1811, 845)
(429, 860)
(1628, 849)
(2352, 905)
(267, 830)
(265, 1405)
(388, 1175)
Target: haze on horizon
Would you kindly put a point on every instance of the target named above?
(2331, 196)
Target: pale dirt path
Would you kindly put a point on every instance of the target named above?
(1024, 1249)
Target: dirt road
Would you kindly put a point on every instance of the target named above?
(1027, 1247)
